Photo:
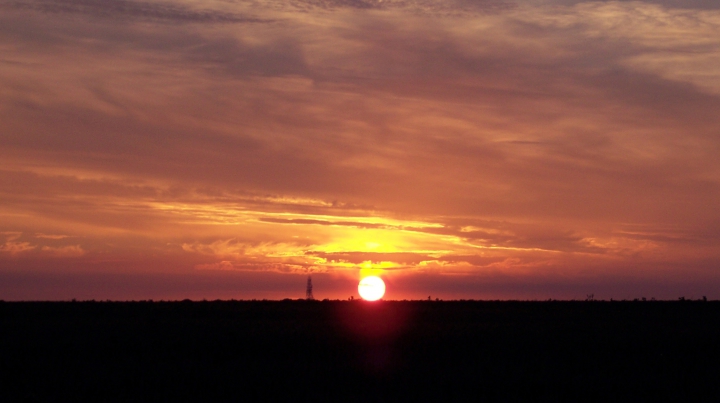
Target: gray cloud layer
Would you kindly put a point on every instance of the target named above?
(125, 9)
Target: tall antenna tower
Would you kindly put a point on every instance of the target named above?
(308, 290)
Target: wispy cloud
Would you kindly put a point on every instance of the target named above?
(64, 251)
(14, 248)
(163, 11)
(50, 236)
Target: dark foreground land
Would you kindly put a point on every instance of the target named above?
(358, 351)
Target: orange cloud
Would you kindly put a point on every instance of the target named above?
(64, 251)
(16, 247)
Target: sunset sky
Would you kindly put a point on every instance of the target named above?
(456, 148)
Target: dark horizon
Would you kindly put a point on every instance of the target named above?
(359, 351)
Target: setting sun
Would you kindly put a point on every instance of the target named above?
(371, 288)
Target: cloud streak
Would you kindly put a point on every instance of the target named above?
(136, 10)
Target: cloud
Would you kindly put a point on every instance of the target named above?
(124, 9)
(224, 265)
(458, 136)
(11, 235)
(50, 236)
(255, 267)
(448, 7)
(306, 221)
(405, 259)
(63, 251)
(14, 248)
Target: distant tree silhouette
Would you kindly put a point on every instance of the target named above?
(191, 350)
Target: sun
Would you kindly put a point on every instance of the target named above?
(371, 288)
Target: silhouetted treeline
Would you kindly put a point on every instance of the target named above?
(355, 351)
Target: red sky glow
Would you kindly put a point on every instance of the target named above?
(478, 149)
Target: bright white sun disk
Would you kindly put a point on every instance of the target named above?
(371, 288)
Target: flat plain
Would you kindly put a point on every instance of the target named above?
(296, 350)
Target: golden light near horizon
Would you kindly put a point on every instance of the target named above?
(371, 288)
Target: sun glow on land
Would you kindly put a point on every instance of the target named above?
(371, 288)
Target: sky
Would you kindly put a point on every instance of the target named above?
(474, 149)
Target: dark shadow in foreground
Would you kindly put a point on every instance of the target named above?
(359, 351)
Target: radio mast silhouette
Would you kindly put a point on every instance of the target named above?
(308, 290)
